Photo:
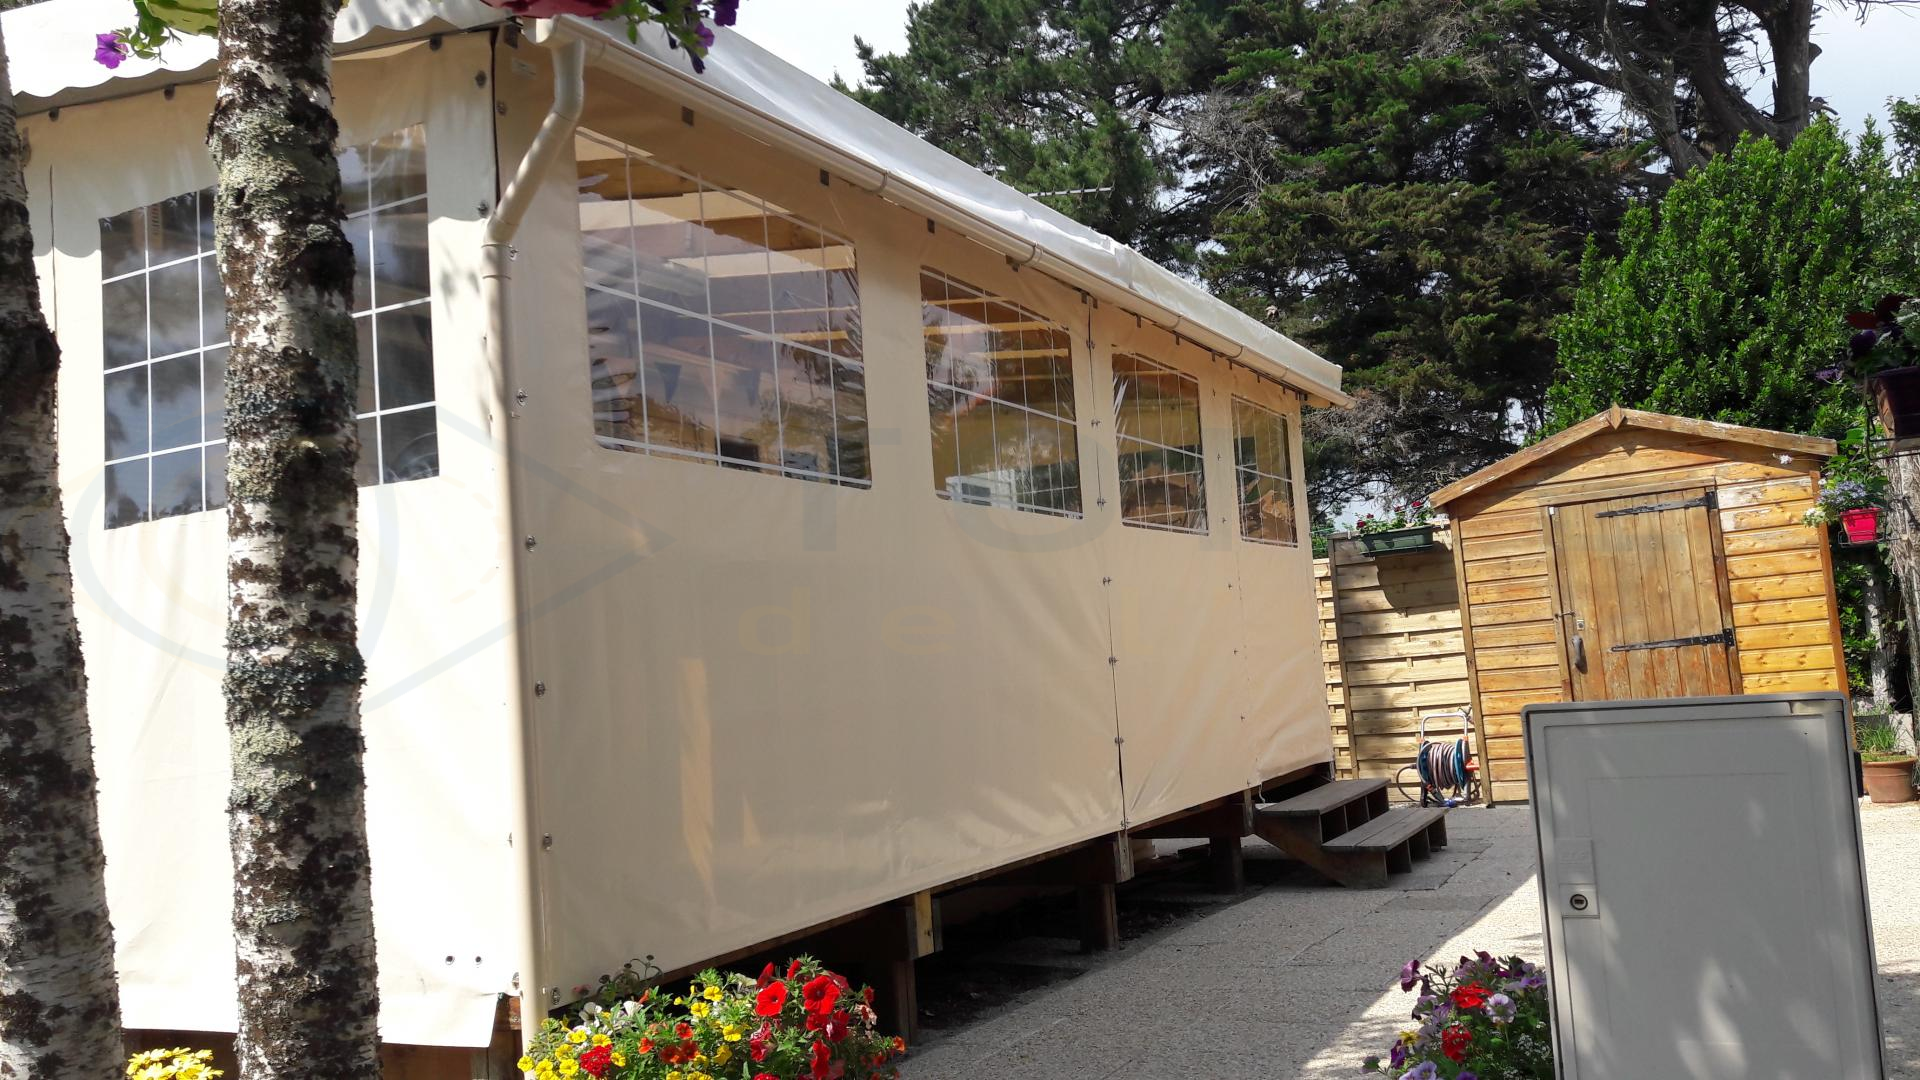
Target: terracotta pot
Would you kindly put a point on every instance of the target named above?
(1896, 398)
(1889, 781)
(1862, 525)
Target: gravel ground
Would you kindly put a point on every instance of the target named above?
(1295, 978)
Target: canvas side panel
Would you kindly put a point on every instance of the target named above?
(433, 622)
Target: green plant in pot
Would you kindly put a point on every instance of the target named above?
(1888, 771)
(1407, 528)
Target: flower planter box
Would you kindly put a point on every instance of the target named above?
(1896, 399)
(1861, 526)
(1397, 541)
(1889, 781)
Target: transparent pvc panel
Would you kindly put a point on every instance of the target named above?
(1156, 413)
(720, 327)
(1263, 472)
(1000, 400)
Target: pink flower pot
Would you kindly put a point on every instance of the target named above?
(1862, 526)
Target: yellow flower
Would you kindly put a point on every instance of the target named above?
(675, 1075)
(1408, 1037)
(525, 1064)
(699, 1008)
(577, 1035)
(723, 1055)
(602, 1040)
(569, 1068)
(712, 993)
(679, 1001)
(619, 1060)
(733, 1032)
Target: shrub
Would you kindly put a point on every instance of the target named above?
(1486, 1019)
(809, 1024)
(1409, 516)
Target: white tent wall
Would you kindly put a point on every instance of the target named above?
(433, 619)
(769, 702)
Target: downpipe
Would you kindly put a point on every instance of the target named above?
(496, 295)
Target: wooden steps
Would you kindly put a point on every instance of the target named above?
(1346, 830)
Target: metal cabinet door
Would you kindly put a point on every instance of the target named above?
(1701, 877)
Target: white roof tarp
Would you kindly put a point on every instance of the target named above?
(50, 52)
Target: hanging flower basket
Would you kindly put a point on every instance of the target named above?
(1397, 541)
(1896, 399)
(1862, 526)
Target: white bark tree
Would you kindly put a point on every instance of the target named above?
(59, 1004)
(302, 906)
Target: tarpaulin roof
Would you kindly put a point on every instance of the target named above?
(50, 51)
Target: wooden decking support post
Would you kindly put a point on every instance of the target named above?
(1228, 864)
(1099, 919)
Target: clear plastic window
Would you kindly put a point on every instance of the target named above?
(999, 400)
(165, 339)
(720, 328)
(1263, 470)
(1156, 414)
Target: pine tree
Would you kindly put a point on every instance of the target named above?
(59, 1004)
(1082, 97)
(1417, 216)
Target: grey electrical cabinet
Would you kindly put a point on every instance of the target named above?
(1704, 895)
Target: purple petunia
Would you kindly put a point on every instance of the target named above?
(1501, 1009)
(1467, 1074)
(1409, 975)
(109, 50)
(1397, 1056)
(725, 11)
(1863, 342)
(1426, 1070)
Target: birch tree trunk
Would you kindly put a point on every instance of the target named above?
(59, 1006)
(1903, 550)
(302, 910)
(1880, 658)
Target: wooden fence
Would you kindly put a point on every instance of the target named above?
(1390, 637)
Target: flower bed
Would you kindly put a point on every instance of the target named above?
(808, 1024)
(1485, 1019)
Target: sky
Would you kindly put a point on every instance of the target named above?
(1860, 65)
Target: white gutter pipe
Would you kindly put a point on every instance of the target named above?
(643, 71)
(496, 277)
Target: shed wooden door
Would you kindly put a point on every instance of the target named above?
(1645, 612)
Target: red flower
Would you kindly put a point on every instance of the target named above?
(819, 994)
(646, 1046)
(899, 1045)
(837, 1025)
(760, 1043)
(1470, 996)
(766, 975)
(683, 1030)
(867, 993)
(771, 999)
(765, 1076)
(822, 1061)
(595, 1061)
(1453, 1042)
(793, 969)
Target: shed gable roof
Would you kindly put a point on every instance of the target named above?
(1616, 418)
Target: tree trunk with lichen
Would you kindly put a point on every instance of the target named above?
(59, 1005)
(302, 907)
(1902, 521)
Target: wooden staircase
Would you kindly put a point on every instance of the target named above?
(1345, 830)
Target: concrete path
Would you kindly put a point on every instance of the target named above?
(1298, 978)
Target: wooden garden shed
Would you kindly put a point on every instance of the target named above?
(1637, 555)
